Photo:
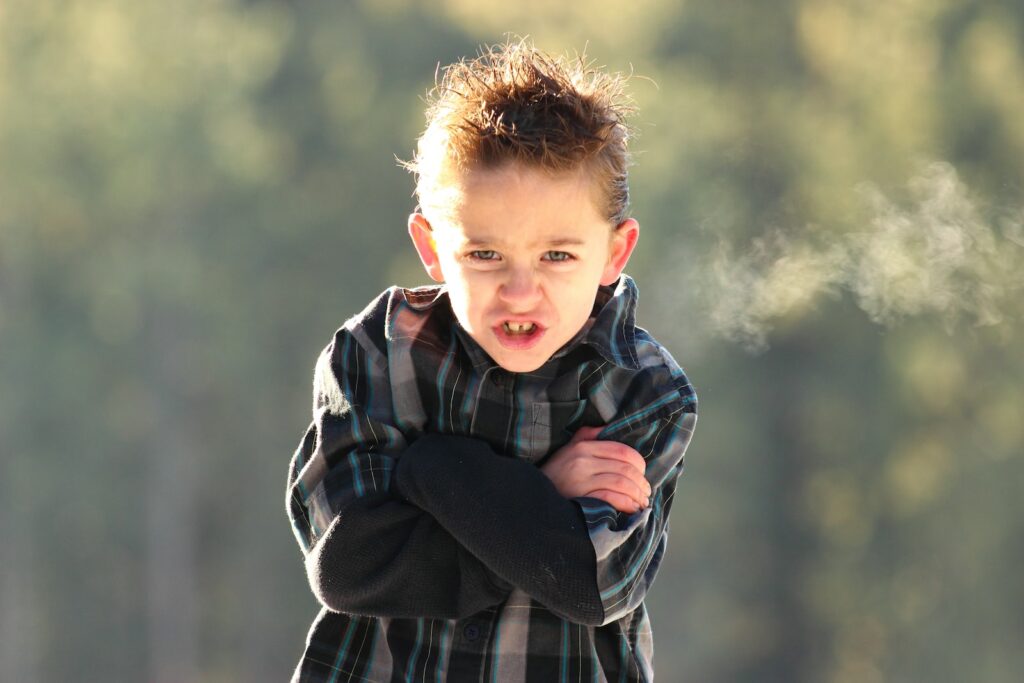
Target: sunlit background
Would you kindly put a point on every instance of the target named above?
(195, 194)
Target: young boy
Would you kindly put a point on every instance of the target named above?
(483, 493)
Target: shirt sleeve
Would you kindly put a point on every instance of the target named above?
(510, 515)
(367, 550)
(629, 547)
(580, 558)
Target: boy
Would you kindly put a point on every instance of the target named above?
(483, 493)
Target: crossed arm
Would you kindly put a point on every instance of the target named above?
(443, 527)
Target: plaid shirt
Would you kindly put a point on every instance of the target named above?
(437, 546)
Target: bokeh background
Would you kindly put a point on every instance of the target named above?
(195, 194)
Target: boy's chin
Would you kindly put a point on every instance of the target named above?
(520, 361)
(520, 365)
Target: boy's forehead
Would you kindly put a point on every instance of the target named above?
(465, 232)
(516, 204)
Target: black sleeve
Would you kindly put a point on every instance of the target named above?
(366, 550)
(384, 557)
(508, 514)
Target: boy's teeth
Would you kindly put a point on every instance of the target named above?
(518, 328)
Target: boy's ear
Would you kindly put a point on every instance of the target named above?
(423, 239)
(623, 241)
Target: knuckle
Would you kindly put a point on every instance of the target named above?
(628, 469)
(630, 455)
(626, 448)
(629, 486)
(620, 449)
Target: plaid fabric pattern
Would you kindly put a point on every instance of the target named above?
(407, 368)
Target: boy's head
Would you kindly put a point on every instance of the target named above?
(521, 177)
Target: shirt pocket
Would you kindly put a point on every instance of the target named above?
(552, 425)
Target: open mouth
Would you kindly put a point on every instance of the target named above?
(519, 335)
(518, 329)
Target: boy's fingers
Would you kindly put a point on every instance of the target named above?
(637, 476)
(613, 450)
(638, 491)
(619, 501)
(622, 471)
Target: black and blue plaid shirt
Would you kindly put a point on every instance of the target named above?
(439, 549)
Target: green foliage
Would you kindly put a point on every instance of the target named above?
(194, 195)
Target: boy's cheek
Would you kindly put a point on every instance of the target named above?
(466, 312)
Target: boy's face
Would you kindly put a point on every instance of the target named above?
(522, 253)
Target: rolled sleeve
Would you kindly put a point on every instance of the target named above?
(629, 547)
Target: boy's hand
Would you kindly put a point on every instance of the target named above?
(608, 470)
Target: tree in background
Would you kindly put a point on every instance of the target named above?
(194, 196)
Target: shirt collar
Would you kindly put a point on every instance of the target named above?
(422, 299)
(610, 330)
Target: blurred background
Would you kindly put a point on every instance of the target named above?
(194, 195)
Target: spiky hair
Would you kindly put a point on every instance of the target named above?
(514, 103)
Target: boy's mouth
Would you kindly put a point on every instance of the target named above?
(518, 328)
(518, 335)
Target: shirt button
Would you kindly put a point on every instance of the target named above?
(471, 632)
(498, 377)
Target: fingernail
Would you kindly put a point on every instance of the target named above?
(648, 503)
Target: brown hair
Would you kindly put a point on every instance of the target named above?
(514, 103)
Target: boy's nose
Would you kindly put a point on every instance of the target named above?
(520, 290)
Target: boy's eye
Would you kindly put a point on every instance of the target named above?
(558, 256)
(484, 255)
